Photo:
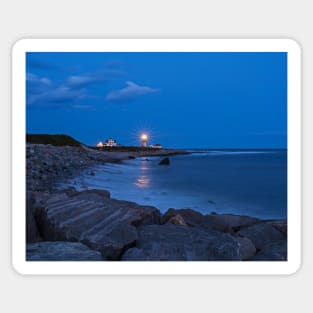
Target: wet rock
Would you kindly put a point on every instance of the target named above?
(61, 251)
(165, 161)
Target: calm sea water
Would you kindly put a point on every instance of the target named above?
(222, 181)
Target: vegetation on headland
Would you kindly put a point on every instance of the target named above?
(55, 140)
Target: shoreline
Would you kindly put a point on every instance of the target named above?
(46, 165)
(128, 231)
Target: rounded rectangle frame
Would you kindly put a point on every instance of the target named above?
(156, 45)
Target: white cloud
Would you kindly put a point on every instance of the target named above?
(130, 92)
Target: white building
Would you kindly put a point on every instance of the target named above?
(156, 146)
(110, 143)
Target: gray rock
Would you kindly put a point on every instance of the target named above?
(104, 224)
(261, 234)
(229, 222)
(191, 217)
(275, 251)
(280, 225)
(60, 251)
(246, 248)
(177, 220)
(170, 242)
(32, 231)
(94, 194)
(134, 254)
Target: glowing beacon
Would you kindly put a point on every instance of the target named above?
(144, 139)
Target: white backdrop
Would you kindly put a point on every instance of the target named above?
(139, 18)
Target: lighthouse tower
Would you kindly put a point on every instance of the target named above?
(144, 139)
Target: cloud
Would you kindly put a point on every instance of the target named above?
(41, 92)
(79, 81)
(82, 106)
(37, 84)
(58, 97)
(130, 92)
(87, 79)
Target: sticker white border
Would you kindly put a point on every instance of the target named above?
(156, 45)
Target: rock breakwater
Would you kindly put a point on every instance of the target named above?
(123, 230)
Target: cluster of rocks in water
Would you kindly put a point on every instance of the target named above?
(91, 226)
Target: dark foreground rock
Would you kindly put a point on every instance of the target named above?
(92, 218)
(123, 230)
(61, 251)
(230, 222)
(262, 234)
(66, 224)
(165, 161)
(180, 243)
(274, 251)
(190, 217)
(32, 231)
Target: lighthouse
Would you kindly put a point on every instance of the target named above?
(144, 139)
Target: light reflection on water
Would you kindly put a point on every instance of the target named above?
(142, 181)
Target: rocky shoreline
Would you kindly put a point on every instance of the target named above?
(91, 226)
(46, 165)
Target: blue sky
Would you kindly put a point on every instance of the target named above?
(187, 100)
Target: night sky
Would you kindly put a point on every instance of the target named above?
(181, 100)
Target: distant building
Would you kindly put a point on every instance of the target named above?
(110, 143)
(156, 146)
(100, 144)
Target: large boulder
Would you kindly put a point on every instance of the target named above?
(106, 225)
(246, 248)
(165, 161)
(32, 231)
(191, 217)
(61, 251)
(274, 251)
(229, 222)
(93, 194)
(177, 220)
(261, 234)
(280, 225)
(170, 242)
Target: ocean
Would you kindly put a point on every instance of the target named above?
(245, 182)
